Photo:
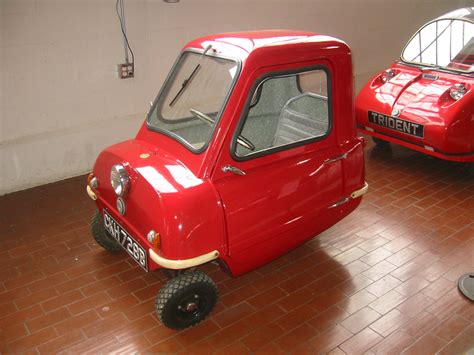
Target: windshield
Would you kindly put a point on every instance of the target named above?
(446, 43)
(193, 97)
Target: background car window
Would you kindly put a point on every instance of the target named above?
(444, 43)
(286, 110)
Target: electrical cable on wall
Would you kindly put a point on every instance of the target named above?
(126, 70)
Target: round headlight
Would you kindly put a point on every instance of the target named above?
(457, 91)
(119, 180)
(387, 75)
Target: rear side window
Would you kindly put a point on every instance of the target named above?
(285, 111)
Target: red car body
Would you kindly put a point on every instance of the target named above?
(200, 202)
(410, 103)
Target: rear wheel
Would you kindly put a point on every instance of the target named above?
(186, 300)
(380, 142)
(104, 239)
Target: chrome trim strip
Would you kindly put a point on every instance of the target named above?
(91, 193)
(183, 264)
(340, 157)
(357, 193)
(362, 191)
(338, 203)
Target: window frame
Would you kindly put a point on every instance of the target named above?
(426, 65)
(171, 76)
(248, 106)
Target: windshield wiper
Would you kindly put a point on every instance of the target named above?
(186, 81)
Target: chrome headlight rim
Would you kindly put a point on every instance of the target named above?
(387, 75)
(119, 180)
(457, 91)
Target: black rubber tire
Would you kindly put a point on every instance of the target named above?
(380, 142)
(104, 239)
(192, 288)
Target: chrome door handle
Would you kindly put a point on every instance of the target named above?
(340, 157)
(232, 169)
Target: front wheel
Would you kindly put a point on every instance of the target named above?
(186, 300)
(101, 236)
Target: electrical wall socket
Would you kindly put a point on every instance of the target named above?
(125, 71)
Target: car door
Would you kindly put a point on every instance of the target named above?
(283, 172)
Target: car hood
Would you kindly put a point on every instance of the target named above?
(160, 169)
(421, 97)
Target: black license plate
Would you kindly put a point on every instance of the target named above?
(127, 242)
(397, 124)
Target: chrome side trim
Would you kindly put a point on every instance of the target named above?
(332, 160)
(357, 193)
(91, 193)
(183, 264)
(338, 203)
(362, 191)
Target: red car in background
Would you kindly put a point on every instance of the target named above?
(425, 101)
(249, 150)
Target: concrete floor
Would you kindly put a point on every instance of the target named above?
(382, 280)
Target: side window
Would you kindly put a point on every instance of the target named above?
(285, 110)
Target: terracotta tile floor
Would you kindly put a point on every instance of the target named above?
(382, 280)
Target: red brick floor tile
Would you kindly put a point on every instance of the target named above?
(296, 317)
(61, 343)
(270, 349)
(354, 284)
(76, 322)
(361, 342)
(39, 296)
(360, 319)
(11, 333)
(31, 341)
(379, 270)
(266, 297)
(203, 347)
(233, 314)
(412, 286)
(293, 339)
(262, 336)
(61, 300)
(230, 334)
(263, 316)
(389, 322)
(421, 324)
(415, 304)
(330, 339)
(359, 300)
(47, 319)
(164, 347)
(94, 327)
(428, 344)
(394, 344)
(20, 316)
(383, 285)
(451, 327)
(462, 344)
(192, 335)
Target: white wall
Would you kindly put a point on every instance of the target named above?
(60, 99)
